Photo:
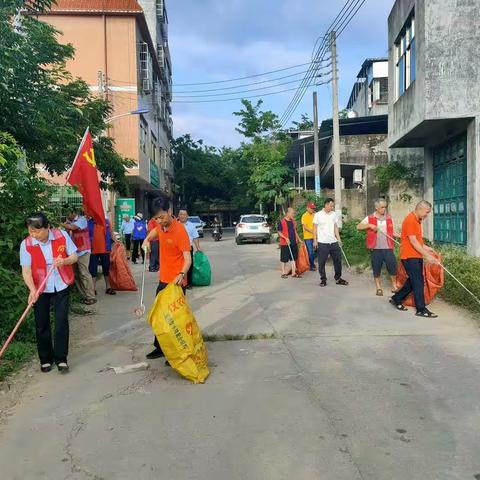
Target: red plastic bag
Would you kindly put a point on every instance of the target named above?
(433, 276)
(302, 263)
(121, 277)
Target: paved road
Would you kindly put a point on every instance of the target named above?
(343, 388)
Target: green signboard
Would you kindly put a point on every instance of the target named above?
(123, 206)
(154, 175)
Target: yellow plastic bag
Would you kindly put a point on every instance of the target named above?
(177, 331)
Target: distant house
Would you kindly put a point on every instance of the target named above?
(434, 104)
(370, 92)
(363, 146)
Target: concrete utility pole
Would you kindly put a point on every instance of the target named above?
(337, 173)
(316, 154)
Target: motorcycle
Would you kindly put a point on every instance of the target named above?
(216, 234)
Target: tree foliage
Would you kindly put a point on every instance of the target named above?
(304, 124)
(254, 122)
(43, 107)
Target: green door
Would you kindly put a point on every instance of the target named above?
(450, 191)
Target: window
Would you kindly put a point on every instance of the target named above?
(143, 135)
(153, 154)
(405, 57)
(383, 97)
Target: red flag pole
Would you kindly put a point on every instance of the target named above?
(76, 156)
(24, 314)
(62, 187)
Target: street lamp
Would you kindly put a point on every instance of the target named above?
(140, 111)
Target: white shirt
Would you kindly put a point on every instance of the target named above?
(192, 231)
(325, 224)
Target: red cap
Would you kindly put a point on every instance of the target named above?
(311, 205)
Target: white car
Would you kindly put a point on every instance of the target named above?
(252, 227)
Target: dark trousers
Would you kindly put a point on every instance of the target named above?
(414, 283)
(311, 252)
(57, 351)
(160, 287)
(128, 242)
(137, 245)
(324, 250)
(190, 270)
(154, 256)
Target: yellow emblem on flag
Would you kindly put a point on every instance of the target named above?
(90, 157)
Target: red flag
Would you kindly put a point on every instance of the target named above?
(84, 177)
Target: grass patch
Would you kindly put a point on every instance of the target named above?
(16, 355)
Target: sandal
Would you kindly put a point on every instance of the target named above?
(341, 281)
(110, 291)
(426, 313)
(379, 292)
(46, 367)
(296, 276)
(398, 306)
(284, 276)
(63, 367)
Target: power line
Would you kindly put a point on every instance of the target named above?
(238, 98)
(242, 78)
(246, 91)
(306, 81)
(341, 21)
(249, 84)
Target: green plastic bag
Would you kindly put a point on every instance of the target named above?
(202, 273)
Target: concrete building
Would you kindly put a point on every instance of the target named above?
(434, 104)
(370, 92)
(363, 146)
(121, 51)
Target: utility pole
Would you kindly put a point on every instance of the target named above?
(337, 173)
(183, 180)
(316, 154)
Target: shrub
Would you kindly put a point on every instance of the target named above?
(467, 269)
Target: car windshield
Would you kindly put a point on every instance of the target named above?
(194, 219)
(252, 219)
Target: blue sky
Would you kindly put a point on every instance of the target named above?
(214, 40)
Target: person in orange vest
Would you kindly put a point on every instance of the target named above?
(43, 248)
(287, 231)
(380, 235)
(77, 226)
(101, 239)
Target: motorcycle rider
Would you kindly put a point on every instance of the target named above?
(217, 223)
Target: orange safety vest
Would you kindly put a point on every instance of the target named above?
(39, 264)
(81, 239)
(372, 236)
(285, 230)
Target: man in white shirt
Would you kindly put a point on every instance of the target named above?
(126, 229)
(327, 241)
(193, 237)
(77, 227)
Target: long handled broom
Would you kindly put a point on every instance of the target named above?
(25, 313)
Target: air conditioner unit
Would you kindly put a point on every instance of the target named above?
(358, 175)
(146, 85)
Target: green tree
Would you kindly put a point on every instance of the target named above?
(304, 124)
(263, 158)
(43, 107)
(254, 122)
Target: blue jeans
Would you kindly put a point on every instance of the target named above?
(311, 252)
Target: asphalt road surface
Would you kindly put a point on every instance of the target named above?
(306, 383)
